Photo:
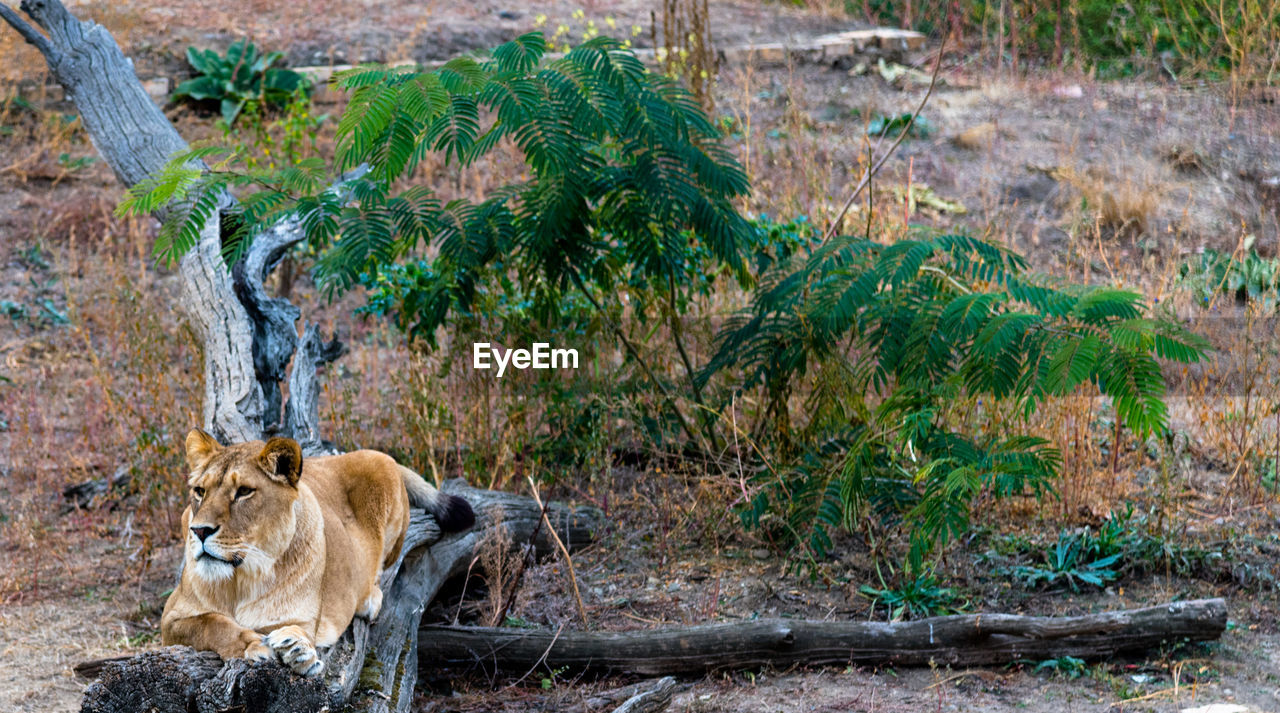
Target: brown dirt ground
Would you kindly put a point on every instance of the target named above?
(1199, 157)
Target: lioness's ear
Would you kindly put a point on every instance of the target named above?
(282, 459)
(200, 448)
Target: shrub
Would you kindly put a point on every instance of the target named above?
(238, 78)
(891, 347)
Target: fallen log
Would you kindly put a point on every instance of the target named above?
(87, 494)
(649, 696)
(366, 670)
(656, 696)
(960, 640)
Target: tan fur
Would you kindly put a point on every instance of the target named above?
(310, 543)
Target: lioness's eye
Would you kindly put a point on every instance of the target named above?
(199, 492)
(243, 492)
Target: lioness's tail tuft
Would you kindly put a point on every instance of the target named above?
(452, 512)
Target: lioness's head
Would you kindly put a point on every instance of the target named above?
(241, 512)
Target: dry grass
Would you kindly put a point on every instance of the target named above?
(499, 562)
(112, 387)
(1121, 205)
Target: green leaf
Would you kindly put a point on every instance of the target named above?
(198, 89)
(284, 80)
(231, 109)
(241, 52)
(201, 60)
(521, 54)
(1072, 364)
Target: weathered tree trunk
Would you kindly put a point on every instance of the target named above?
(232, 395)
(962, 640)
(249, 338)
(373, 667)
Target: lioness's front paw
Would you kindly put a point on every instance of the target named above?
(258, 651)
(295, 650)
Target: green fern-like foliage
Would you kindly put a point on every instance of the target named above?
(629, 187)
(882, 339)
(628, 181)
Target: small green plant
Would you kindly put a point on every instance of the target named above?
(917, 597)
(43, 313)
(34, 256)
(1122, 542)
(141, 638)
(1069, 562)
(549, 681)
(729, 126)
(1122, 686)
(1066, 666)
(1125, 533)
(16, 104)
(1250, 278)
(241, 76)
(13, 310)
(51, 314)
(920, 128)
(283, 141)
(1270, 479)
(75, 165)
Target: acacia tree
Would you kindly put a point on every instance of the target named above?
(629, 187)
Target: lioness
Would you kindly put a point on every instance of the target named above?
(282, 553)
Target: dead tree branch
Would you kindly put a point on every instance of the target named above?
(962, 640)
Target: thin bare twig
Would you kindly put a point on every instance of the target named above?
(573, 576)
(510, 597)
(875, 168)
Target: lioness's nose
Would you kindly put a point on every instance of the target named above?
(204, 531)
